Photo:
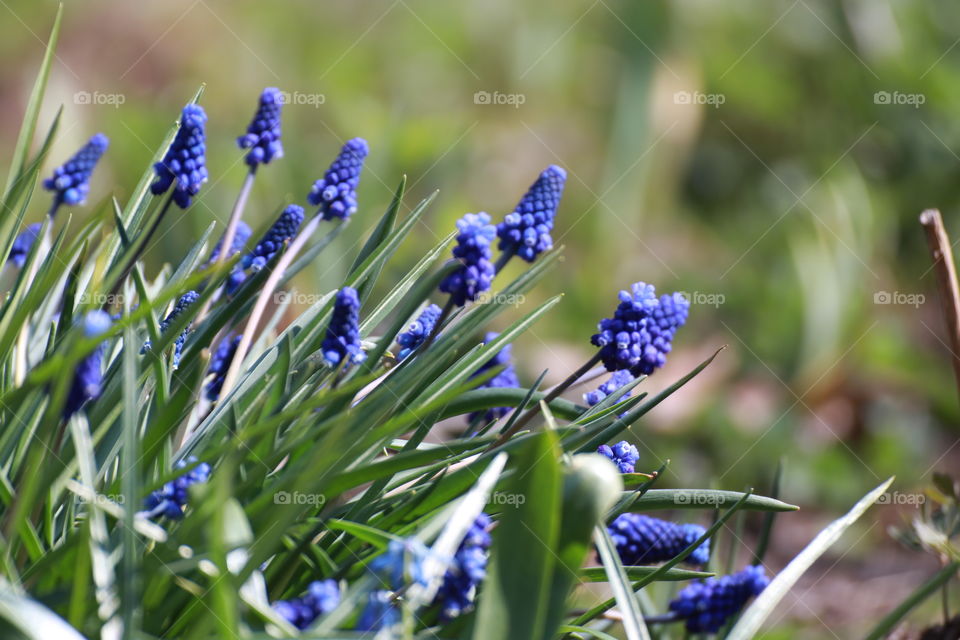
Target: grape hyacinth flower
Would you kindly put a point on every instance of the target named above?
(342, 342)
(400, 565)
(380, 612)
(641, 539)
(418, 331)
(616, 381)
(336, 192)
(282, 231)
(706, 605)
(185, 301)
(507, 378)
(639, 335)
(263, 134)
(321, 598)
(623, 454)
(23, 243)
(473, 251)
(185, 160)
(239, 243)
(71, 181)
(88, 378)
(468, 569)
(220, 364)
(526, 231)
(171, 499)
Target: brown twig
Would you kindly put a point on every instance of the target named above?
(945, 267)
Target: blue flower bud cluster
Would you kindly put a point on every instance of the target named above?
(342, 342)
(507, 378)
(336, 192)
(618, 380)
(468, 569)
(642, 539)
(321, 598)
(623, 454)
(71, 181)
(418, 331)
(171, 499)
(185, 161)
(526, 231)
(476, 272)
(263, 134)
(707, 605)
(87, 381)
(219, 365)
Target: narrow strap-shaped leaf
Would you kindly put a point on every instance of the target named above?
(633, 622)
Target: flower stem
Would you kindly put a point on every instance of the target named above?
(550, 397)
(503, 260)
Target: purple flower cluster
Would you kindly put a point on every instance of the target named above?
(336, 192)
(639, 335)
(418, 331)
(185, 161)
(468, 569)
(526, 231)
(171, 499)
(220, 364)
(641, 539)
(185, 301)
(241, 236)
(623, 454)
(706, 605)
(321, 598)
(71, 181)
(87, 381)
(263, 134)
(618, 380)
(342, 342)
(23, 243)
(282, 231)
(507, 378)
(473, 251)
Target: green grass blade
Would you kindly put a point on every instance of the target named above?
(924, 591)
(633, 622)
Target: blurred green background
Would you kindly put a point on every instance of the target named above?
(770, 158)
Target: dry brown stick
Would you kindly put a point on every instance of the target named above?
(945, 267)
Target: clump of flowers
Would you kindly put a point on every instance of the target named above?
(88, 378)
(507, 378)
(241, 236)
(467, 571)
(23, 243)
(342, 342)
(321, 598)
(185, 161)
(283, 230)
(473, 252)
(183, 302)
(171, 499)
(70, 182)
(220, 363)
(263, 134)
(623, 454)
(706, 605)
(641, 539)
(616, 381)
(526, 231)
(418, 331)
(336, 192)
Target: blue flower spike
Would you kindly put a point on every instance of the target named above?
(623, 454)
(640, 334)
(401, 564)
(342, 342)
(526, 231)
(71, 181)
(185, 161)
(282, 232)
(240, 238)
(336, 192)
(507, 378)
(171, 499)
(418, 331)
(618, 380)
(473, 251)
(88, 378)
(458, 590)
(219, 365)
(321, 598)
(23, 243)
(707, 605)
(263, 134)
(642, 539)
(185, 301)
